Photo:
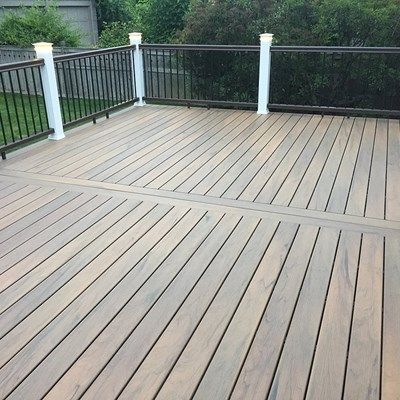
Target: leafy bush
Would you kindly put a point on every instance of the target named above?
(335, 22)
(111, 11)
(37, 24)
(115, 34)
(161, 20)
(312, 79)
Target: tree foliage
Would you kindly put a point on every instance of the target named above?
(38, 23)
(161, 20)
(115, 33)
(341, 80)
(158, 20)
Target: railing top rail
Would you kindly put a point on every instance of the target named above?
(200, 47)
(296, 49)
(21, 64)
(335, 49)
(91, 53)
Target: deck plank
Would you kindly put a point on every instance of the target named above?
(39, 284)
(248, 134)
(393, 172)
(221, 372)
(291, 376)
(364, 356)
(357, 199)
(117, 148)
(326, 180)
(342, 183)
(327, 373)
(391, 321)
(264, 132)
(128, 302)
(53, 156)
(251, 179)
(261, 360)
(119, 163)
(377, 183)
(305, 190)
(214, 150)
(191, 253)
(212, 133)
(302, 148)
(190, 139)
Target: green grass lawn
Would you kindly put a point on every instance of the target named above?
(22, 115)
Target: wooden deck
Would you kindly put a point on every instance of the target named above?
(178, 253)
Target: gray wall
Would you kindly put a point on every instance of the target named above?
(80, 13)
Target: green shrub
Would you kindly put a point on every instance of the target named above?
(162, 19)
(37, 24)
(115, 34)
(111, 11)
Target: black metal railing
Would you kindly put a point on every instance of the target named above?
(358, 80)
(201, 74)
(23, 114)
(94, 82)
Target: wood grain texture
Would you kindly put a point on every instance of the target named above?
(177, 253)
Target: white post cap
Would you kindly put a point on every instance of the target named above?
(43, 46)
(135, 37)
(266, 37)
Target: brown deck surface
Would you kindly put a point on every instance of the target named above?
(178, 253)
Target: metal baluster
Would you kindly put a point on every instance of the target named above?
(66, 91)
(39, 111)
(165, 78)
(22, 102)
(60, 91)
(44, 106)
(3, 89)
(78, 91)
(30, 100)
(86, 93)
(15, 105)
(184, 73)
(106, 80)
(158, 77)
(177, 71)
(170, 73)
(72, 90)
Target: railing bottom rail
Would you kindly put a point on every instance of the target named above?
(335, 110)
(206, 103)
(21, 142)
(105, 112)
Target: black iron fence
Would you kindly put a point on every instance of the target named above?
(89, 83)
(23, 114)
(358, 80)
(341, 80)
(345, 80)
(201, 74)
(94, 82)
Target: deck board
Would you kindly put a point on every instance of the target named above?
(177, 253)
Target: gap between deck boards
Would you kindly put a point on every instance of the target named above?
(241, 207)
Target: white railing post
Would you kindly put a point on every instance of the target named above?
(135, 39)
(50, 90)
(264, 74)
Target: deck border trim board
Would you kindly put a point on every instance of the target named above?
(241, 207)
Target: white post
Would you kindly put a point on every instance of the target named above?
(135, 39)
(264, 74)
(50, 90)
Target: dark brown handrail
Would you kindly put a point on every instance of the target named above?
(21, 64)
(335, 49)
(210, 47)
(91, 53)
